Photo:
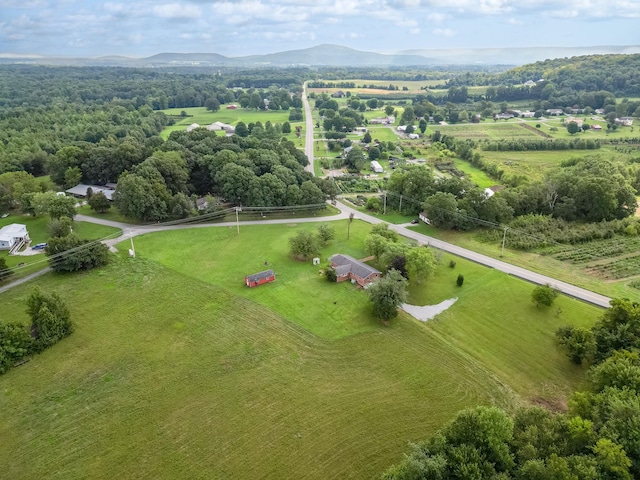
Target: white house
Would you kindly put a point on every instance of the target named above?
(193, 126)
(80, 190)
(229, 129)
(376, 167)
(11, 236)
(413, 136)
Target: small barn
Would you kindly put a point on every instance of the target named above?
(259, 278)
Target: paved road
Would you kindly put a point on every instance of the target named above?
(24, 279)
(130, 231)
(309, 143)
(571, 290)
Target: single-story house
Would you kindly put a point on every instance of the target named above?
(625, 121)
(414, 136)
(389, 120)
(554, 111)
(80, 190)
(528, 114)
(596, 127)
(402, 128)
(503, 116)
(575, 120)
(599, 111)
(13, 236)
(376, 167)
(193, 126)
(348, 268)
(529, 83)
(229, 129)
(338, 94)
(259, 278)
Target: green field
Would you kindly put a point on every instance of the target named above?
(542, 262)
(506, 130)
(177, 370)
(203, 117)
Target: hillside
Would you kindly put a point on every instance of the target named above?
(334, 55)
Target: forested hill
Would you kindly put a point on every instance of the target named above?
(619, 74)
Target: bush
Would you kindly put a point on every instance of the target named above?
(544, 295)
(15, 344)
(452, 264)
(330, 273)
(460, 280)
(70, 254)
(5, 271)
(50, 319)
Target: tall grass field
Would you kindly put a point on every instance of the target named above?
(177, 370)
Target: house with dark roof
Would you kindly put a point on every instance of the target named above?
(259, 278)
(348, 268)
(80, 190)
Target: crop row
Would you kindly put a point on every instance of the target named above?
(622, 268)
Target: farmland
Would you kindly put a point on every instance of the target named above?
(490, 131)
(228, 381)
(203, 117)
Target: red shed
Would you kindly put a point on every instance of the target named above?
(259, 278)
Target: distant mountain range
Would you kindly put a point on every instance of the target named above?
(334, 55)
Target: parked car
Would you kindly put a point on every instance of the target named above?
(415, 221)
(39, 246)
(4, 215)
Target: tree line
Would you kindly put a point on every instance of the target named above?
(50, 323)
(597, 438)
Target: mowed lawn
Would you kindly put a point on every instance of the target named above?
(177, 370)
(204, 117)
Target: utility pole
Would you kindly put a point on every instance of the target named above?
(384, 212)
(400, 203)
(351, 215)
(237, 220)
(504, 238)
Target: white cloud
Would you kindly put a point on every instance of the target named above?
(443, 32)
(176, 10)
(436, 17)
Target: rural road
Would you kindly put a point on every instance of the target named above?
(308, 144)
(129, 231)
(566, 288)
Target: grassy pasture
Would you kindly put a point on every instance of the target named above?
(176, 369)
(203, 117)
(488, 131)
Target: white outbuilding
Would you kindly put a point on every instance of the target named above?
(376, 167)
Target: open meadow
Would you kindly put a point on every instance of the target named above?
(204, 117)
(176, 369)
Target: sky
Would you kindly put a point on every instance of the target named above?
(140, 28)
